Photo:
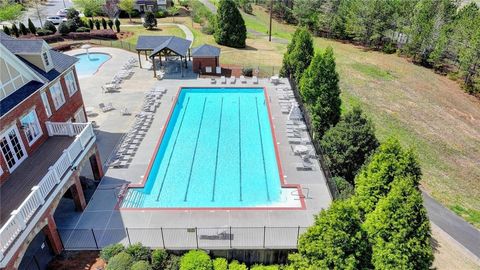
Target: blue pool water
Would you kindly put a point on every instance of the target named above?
(89, 64)
(217, 151)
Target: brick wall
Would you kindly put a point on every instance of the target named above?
(201, 63)
(64, 113)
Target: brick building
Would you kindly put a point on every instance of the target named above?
(205, 59)
(45, 141)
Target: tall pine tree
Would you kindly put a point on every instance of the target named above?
(320, 92)
(230, 27)
(299, 54)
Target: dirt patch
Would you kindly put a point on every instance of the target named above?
(124, 35)
(77, 260)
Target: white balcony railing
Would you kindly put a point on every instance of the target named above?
(55, 175)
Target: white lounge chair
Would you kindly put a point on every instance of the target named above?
(305, 166)
(242, 79)
(125, 111)
(213, 81)
(233, 80)
(255, 80)
(106, 108)
(223, 80)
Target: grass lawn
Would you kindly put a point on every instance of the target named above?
(161, 31)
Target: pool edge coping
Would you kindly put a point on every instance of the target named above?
(283, 184)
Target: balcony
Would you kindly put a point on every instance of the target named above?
(28, 190)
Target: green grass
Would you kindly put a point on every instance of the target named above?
(161, 31)
(470, 215)
(373, 71)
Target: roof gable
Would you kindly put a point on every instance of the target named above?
(206, 51)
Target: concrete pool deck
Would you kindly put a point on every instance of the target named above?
(101, 212)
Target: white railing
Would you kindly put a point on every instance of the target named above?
(64, 128)
(22, 215)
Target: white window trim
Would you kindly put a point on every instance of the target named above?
(61, 91)
(25, 154)
(39, 127)
(74, 82)
(46, 104)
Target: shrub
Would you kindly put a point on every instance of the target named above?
(110, 24)
(90, 23)
(172, 263)
(124, 14)
(183, 3)
(110, 251)
(83, 29)
(6, 30)
(43, 32)
(220, 264)
(48, 25)
(31, 27)
(97, 24)
(247, 72)
(72, 25)
(264, 267)
(150, 21)
(121, 261)
(345, 189)
(15, 30)
(159, 257)
(63, 28)
(104, 23)
(23, 28)
(196, 260)
(235, 265)
(141, 265)
(138, 252)
(161, 14)
(117, 25)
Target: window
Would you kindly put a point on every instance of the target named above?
(57, 95)
(45, 59)
(31, 127)
(71, 83)
(46, 104)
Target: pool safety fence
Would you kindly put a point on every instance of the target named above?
(315, 142)
(213, 238)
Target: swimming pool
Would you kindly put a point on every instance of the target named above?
(89, 64)
(217, 151)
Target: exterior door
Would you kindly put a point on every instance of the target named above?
(12, 148)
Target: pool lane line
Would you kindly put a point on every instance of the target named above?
(261, 146)
(173, 148)
(218, 147)
(240, 147)
(195, 150)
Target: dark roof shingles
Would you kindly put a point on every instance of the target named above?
(206, 51)
(18, 96)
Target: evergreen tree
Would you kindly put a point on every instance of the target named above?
(110, 24)
(428, 18)
(6, 30)
(15, 30)
(399, 229)
(374, 181)
(48, 25)
(150, 21)
(23, 28)
(347, 145)
(320, 92)
(90, 23)
(104, 23)
(299, 54)
(335, 241)
(97, 24)
(117, 25)
(31, 27)
(230, 27)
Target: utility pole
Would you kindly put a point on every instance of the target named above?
(271, 12)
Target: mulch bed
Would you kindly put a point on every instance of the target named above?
(77, 260)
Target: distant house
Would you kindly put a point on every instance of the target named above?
(152, 5)
(45, 141)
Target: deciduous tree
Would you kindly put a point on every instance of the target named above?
(230, 27)
(10, 11)
(128, 6)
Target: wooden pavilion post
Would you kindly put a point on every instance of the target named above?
(139, 59)
(154, 67)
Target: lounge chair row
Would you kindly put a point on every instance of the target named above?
(233, 80)
(119, 77)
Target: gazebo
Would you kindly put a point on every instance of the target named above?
(163, 46)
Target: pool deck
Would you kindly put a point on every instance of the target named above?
(102, 211)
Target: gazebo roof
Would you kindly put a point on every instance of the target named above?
(206, 51)
(158, 43)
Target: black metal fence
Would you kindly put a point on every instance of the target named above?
(308, 122)
(221, 238)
